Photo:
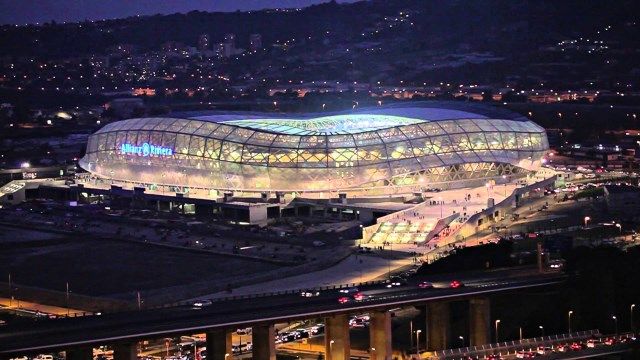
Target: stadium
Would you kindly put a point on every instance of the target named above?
(395, 149)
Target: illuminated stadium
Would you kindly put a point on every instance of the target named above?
(382, 150)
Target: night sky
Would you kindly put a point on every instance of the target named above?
(38, 11)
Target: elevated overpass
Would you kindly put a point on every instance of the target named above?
(77, 336)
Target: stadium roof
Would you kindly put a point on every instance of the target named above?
(355, 121)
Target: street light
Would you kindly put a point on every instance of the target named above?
(633, 328)
(67, 298)
(461, 340)
(541, 330)
(586, 221)
(497, 323)
(418, 342)
(615, 321)
(569, 316)
(411, 334)
(619, 227)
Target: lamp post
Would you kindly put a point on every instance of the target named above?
(411, 334)
(67, 298)
(389, 259)
(461, 341)
(615, 322)
(586, 221)
(569, 318)
(541, 330)
(497, 323)
(418, 342)
(633, 327)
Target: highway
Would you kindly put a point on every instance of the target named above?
(58, 334)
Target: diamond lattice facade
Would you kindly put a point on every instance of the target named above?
(393, 149)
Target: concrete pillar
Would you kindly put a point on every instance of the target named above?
(380, 335)
(438, 325)
(264, 342)
(219, 345)
(85, 353)
(336, 338)
(479, 321)
(125, 352)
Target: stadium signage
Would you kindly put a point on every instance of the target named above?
(145, 150)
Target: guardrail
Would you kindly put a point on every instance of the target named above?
(273, 293)
(509, 346)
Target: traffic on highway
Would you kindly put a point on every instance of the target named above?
(243, 312)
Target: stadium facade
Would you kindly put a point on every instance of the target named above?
(394, 149)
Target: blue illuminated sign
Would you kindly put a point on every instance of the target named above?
(145, 149)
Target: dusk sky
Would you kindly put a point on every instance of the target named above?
(38, 11)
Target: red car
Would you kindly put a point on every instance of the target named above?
(359, 296)
(525, 354)
(343, 300)
(610, 341)
(425, 285)
(456, 284)
(576, 346)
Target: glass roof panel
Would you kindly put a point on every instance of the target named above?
(327, 125)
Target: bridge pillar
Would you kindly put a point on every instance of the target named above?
(264, 342)
(125, 351)
(85, 353)
(438, 326)
(336, 338)
(380, 335)
(479, 321)
(219, 345)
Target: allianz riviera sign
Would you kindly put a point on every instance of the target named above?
(145, 149)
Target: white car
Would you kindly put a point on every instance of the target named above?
(309, 293)
(199, 304)
(349, 290)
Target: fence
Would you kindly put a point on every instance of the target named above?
(509, 346)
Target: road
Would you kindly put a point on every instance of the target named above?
(183, 320)
(21, 306)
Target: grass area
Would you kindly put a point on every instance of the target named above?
(589, 193)
(101, 268)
